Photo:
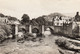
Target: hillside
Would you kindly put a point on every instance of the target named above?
(45, 18)
(52, 15)
(9, 17)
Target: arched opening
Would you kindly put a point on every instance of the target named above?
(52, 30)
(23, 30)
(35, 30)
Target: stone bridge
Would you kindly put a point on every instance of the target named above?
(34, 29)
(39, 29)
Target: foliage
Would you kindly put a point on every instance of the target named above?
(12, 18)
(25, 19)
(5, 31)
(33, 22)
(1, 15)
(40, 35)
(2, 35)
(51, 16)
(40, 20)
(28, 36)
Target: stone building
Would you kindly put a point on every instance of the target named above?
(67, 29)
(4, 20)
(67, 19)
(77, 17)
(63, 25)
(58, 21)
(76, 24)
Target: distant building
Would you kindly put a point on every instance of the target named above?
(67, 25)
(4, 20)
(76, 24)
(63, 24)
(67, 28)
(58, 21)
(76, 28)
(67, 19)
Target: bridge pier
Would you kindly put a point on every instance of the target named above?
(79, 30)
(42, 29)
(30, 29)
(16, 29)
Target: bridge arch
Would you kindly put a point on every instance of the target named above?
(35, 30)
(51, 30)
(50, 27)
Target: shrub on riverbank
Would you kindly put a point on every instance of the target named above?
(5, 31)
(30, 36)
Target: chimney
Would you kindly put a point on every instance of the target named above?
(77, 13)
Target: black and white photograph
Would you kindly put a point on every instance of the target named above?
(39, 26)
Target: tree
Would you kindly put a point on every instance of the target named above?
(40, 20)
(12, 18)
(1, 15)
(33, 22)
(5, 31)
(25, 19)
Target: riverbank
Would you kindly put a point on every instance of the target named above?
(47, 46)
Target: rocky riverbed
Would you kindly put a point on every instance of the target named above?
(47, 46)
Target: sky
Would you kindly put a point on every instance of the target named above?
(36, 8)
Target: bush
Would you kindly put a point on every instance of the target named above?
(5, 31)
(28, 36)
(40, 35)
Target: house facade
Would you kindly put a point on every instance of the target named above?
(58, 21)
(4, 20)
(63, 25)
